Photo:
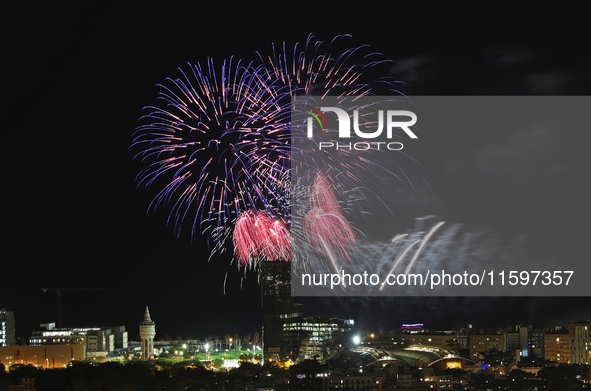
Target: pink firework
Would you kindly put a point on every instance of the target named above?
(322, 196)
(276, 244)
(258, 235)
(245, 238)
(329, 230)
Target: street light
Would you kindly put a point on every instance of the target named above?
(230, 343)
(207, 351)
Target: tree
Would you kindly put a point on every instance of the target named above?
(255, 339)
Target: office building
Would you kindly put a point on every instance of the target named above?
(319, 336)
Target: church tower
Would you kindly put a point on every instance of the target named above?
(147, 333)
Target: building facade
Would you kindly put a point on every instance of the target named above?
(279, 309)
(7, 328)
(556, 346)
(580, 342)
(484, 342)
(319, 336)
(100, 342)
(48, 356)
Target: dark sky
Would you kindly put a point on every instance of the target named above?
(76, 79)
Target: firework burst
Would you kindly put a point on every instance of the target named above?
(219, 149)
(217, 146)
(258, 236)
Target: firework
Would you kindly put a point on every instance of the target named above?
(322, 196)
(329, 230)
(245, 239)
(340, 70)
(260, 236)
(216, 146)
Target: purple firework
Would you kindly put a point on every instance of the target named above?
(215, 146)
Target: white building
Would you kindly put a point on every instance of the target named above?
(100, 342)
(579, 347)
(7, 332)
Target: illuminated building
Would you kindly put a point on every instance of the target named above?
(49, 335)
(413, 327)
(318, 335)
(279, 309)
(484, 342)
(520, 342)
(579, 334)
(147, 333)
(524, 340)
(47, 356)
(99, 341)
(536, 344)
(441, 340)
(7, 337)
(556, 345)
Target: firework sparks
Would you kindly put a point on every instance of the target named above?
(329, 228)
(259, 236)
(322, 196)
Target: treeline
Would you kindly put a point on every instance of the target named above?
(113, 376)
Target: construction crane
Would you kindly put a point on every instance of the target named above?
(59, 298)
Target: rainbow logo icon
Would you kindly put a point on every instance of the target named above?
(318, 115)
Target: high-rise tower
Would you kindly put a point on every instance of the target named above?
(147, 333)
(279, 309)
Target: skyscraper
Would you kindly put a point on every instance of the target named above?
(279, 308)
(147, 333)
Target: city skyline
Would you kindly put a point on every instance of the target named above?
(76, 219)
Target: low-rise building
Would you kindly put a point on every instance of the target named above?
(47, 356)
(484, 342)
(99, 342)
(556, 346)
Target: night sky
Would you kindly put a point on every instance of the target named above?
(76, 80)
